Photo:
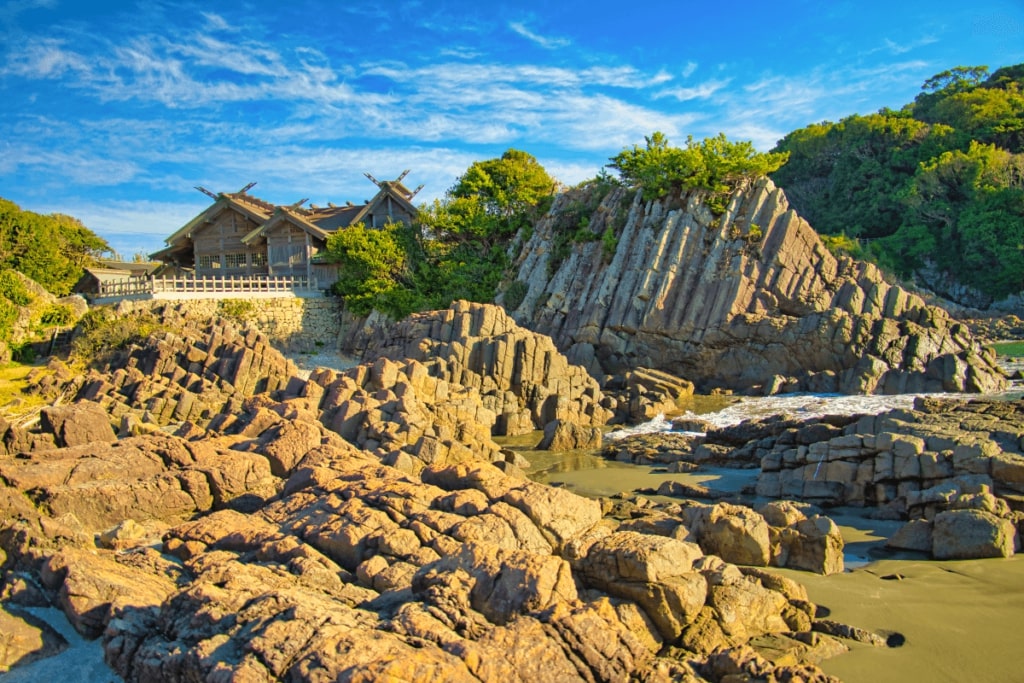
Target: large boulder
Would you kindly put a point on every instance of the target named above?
(969, 534)
(567, 436)
(77, 424)
(735, 533)
(655, 572)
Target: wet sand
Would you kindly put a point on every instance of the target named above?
(962, 621)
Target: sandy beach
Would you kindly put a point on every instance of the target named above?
(962, 620)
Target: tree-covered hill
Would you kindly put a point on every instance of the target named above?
(937, 183)
(53, 249)
(50, 250)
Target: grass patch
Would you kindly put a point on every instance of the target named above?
(13, 383)
(1015, 349)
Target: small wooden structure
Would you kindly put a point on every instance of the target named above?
(241, 236)
(109, 270)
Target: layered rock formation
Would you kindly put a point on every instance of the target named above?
(521, 376)
(747, 300)
(269, 544)
(191, 370)
(955, 468)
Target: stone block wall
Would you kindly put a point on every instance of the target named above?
(301, 324)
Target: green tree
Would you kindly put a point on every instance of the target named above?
(966, 214)
(52, 250)
(373, 268)
(847, 177)
(512, 187)
(713, 164)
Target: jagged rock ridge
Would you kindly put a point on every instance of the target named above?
(748, 299)
(519, 374)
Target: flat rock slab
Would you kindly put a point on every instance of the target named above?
(25, 639)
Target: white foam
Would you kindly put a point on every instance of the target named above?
(797, 405)
(657, 425)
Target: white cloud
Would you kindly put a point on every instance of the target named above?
(216, 22)
(520, 29)
(688, 70)
(45, 58)
(697, 92)
(901, 48)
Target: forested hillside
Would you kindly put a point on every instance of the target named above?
(51, 249)
(938, 183)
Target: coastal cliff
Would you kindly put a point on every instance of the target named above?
(750, 300)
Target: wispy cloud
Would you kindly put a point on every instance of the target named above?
(10, 10)
(901, 48)
(547, 43)
(216, 22)
(697, 92)
(189, 94)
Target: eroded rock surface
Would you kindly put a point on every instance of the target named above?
(749, 299)
(352, 526)
(520, 375)
(951, 466)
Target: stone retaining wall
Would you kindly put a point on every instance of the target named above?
(294, 323)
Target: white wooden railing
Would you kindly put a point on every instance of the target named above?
(245, 284)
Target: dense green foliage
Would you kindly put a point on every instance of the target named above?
(373, 267)
(456, 250)
(939, 182)
(514, 188)
(713, 164)
(101, 333)
(52, 250)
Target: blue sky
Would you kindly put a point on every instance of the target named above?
(114, 111)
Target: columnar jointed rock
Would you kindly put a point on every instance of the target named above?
(521, 376)
(953, 465)
(739, 300)
(406, 416)
(194, 373)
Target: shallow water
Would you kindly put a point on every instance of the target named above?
(961, 620)
(81, 661)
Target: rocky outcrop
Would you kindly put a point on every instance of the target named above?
(272, 542)
(154, 477)
(30, 325)
(405, 415)
(779, 534)
(748, 300)
(955, 468)
(466, 574)
(189, 370)
(520, 375)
